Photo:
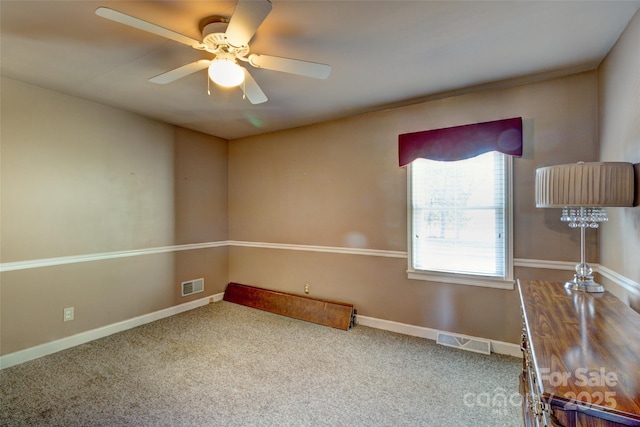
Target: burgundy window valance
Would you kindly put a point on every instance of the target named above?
(462, 142)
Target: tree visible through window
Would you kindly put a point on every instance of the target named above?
(460, 216)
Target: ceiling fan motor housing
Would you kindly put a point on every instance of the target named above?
(215, 39)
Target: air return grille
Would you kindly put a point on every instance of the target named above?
(192, 287)
(465, 343)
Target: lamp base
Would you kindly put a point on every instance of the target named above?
(583, 284)
(583, 279)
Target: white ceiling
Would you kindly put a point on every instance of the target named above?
(382, 53)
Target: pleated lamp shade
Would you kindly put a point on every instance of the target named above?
(593, 184)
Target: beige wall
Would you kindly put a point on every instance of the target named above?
(339, 185)
(79, 178)
(619, 135)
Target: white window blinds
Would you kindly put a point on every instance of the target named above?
(458, 213)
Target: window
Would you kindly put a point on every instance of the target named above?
(460, 220)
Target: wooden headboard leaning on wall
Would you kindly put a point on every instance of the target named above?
(636, 199)
(634, 300)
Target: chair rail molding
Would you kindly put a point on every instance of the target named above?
(615, 277)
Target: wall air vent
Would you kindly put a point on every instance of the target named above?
(465, 343)
(192, 287)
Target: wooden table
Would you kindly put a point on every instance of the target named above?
(581, 358)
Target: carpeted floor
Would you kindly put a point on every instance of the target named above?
(229, 365)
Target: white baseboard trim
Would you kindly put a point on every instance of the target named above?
(498, 347)
(38, 351)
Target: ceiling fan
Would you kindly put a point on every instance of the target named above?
(227, 39)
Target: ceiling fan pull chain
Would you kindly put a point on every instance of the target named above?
(208, 85)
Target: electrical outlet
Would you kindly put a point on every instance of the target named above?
(306, 288)
(68, 314)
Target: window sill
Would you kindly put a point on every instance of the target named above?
(462, 279)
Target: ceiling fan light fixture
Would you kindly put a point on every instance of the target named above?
(226, 72)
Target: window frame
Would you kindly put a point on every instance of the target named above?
(506, 282)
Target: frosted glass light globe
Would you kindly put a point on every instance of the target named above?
(225, 72)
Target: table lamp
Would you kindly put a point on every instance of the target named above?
(583, 190)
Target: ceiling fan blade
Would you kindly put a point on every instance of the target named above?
(293, 66)
(245, 20)
(180, 72)
(252, 91)
(134, 22)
